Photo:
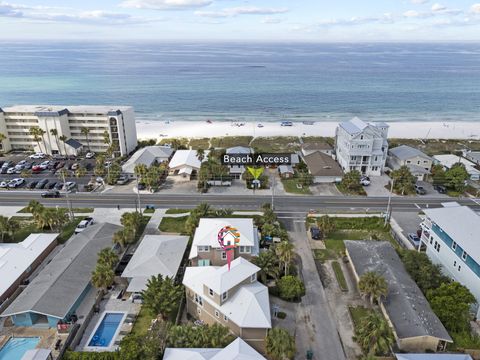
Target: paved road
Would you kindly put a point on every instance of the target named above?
(315, 329)
(282, 203)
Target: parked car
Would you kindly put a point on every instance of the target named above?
(122, 179)
(53, 164)
(14, 183)
(75, 166)
(286, 123)
(28, 165)
(84, 224)
(315, 233)
(11, 170)
(440, 188)
(90, 155)
(60, 165)
(41, 184)
(69, 185)
(50, 194)
(420, 190)
(38, 155)
(32, 184)
(51, 185)
(365, 180)
(58, 186)
(3, 184)
(414, 239)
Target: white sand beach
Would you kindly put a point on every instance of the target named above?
(198, 129)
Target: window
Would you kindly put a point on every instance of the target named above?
(245, 250)
(203, 248)
(454, 263)
(217, 314)
(436, 246)
(431, 240)
(225, 296)
(361, 137)
(408, 161)
(224, 255)
(253, 277)
(464, 255)
(459, 267)
(198, 300)
(225, 317)
(454, 245)
(210, 291)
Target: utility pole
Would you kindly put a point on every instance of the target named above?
(273, 189)
(389, 204)
(138, 196)
(69, 204)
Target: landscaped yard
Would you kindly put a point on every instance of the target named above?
(142, 323)
(173, 224)
(27, 227)
(345, 191)
(358, 313)
(177, 211)
(337, 269)
(290, 186)
(324, 254)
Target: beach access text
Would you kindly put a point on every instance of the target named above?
(257, 159)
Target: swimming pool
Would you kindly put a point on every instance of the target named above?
(16, 347)
(106, 330)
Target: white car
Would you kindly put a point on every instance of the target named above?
(69, 185)
(22, 163)
(3, 184)
(44, 165)
(38, 155)
(90, 155)
(11, 170)
(16, 182)
(83, 224)
(365, 181)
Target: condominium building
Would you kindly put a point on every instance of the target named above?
(362, 146)
(68, 122)
(451, 238)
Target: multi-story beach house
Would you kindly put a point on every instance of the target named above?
(451, 238)
(419, 163)
(361, 146)
(69, 124)
(206, 249)
(233, 298)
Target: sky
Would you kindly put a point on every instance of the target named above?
(241, 20)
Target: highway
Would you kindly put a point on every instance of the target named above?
(239, 202)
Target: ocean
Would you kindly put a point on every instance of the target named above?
(245, 82)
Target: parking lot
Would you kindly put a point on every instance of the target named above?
(48, 175)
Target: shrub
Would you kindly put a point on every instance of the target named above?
(290, 288)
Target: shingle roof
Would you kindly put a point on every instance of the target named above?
(237, 350)
(320, 164)
(462, 224)
(407, 308)
(147, 156)
(74, 143)
(404, 152)
(56, 288)
(156, 254)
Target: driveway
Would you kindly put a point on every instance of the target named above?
(325, 189)
(377, 186)
(315, 328)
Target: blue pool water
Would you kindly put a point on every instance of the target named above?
(106, 330)
(16, 347)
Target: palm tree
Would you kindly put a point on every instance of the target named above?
(284, 251)
(267, 262)
(374, 335)
(35, 208)
(373, 286)
(120, 238)
(35, 132)
(102, 277)
(3, 137)
(7, 227)
(200, 154)
(279, 344)
(63, 139)
(161, 296)
(203, 209)
(42, 133)
(140, 170)
(44, 219)
(86, 131)
(326, 224)
(107, 257)
(54, 132)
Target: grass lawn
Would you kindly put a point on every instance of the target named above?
(336, 246)
(276, 144)
(203, 143)
(149, 211)
(177, 211)
(324, 254)
(290, 186)
(358, 313)
(75, 210)
(142, 323)
(173, 224)
(337, 269)
(230, 141)
(27, 227)
(345, 191)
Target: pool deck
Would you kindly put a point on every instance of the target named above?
(109, 305)
(47, 336)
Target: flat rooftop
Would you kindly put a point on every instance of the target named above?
(89, 109)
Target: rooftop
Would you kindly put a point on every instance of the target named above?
(147, 156)
(208, 228)
(89, 109)
(320, 164)
(239, 150)
(74, 143)
(156, 254)
(461, 223)
(15, 259)
(407, 308)
(404, 152)
(224, 279)
(356, 125)
(248, 307)
(448, 160)
(237, 350)
(186, 158)
(59, 285)
(437, 356)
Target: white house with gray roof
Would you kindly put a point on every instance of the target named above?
(419, 163)
(147, 156)
(414, 324)
(236, 171)
(361, 146)
(59, 289)
(451, 237)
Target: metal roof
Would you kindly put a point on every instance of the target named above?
(404, 152)
(407, 307)
(59, 285)
(87, 109)
(74, 143)
(147, 156)
(239, 150)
